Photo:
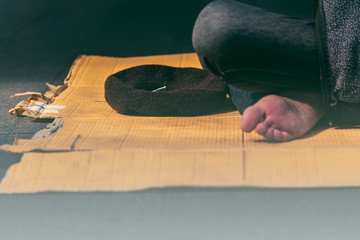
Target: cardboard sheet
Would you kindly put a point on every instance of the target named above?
(101, 150)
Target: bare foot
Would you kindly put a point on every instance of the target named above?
(282, 118)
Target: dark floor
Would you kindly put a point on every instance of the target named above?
(40, 39)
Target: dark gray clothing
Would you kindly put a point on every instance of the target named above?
(255, 50)
(338, 36)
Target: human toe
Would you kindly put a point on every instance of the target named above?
(261, 128)
(277, 136)
(286, 136)
(269, 133)
(251, 118)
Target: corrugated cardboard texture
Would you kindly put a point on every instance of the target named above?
(101, 150)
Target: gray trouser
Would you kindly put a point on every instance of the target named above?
(256, 50)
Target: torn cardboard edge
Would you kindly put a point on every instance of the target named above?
(47, 132)
(38, 103)
(50, 129)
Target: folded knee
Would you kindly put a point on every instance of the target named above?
(210, 28)
(222, 32)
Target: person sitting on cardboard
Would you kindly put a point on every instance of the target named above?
(294, 71)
